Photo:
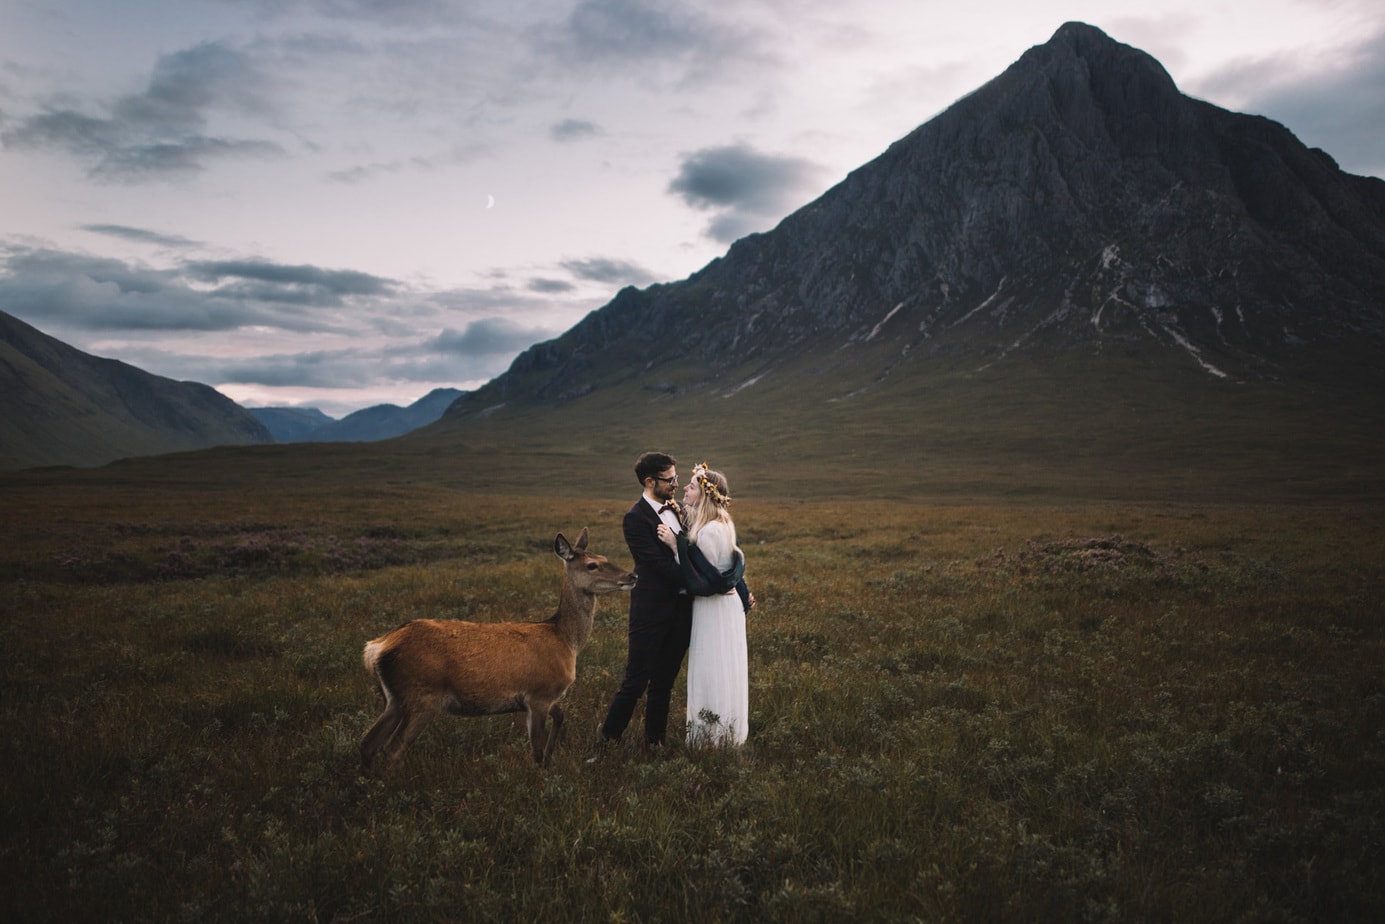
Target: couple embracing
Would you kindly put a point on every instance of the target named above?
(690, 599)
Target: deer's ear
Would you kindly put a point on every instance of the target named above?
(562, 548)
(582, 541)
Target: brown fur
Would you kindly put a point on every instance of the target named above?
(429, 665)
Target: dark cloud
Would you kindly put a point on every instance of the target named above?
(550, 285)
(80, 134)
(186, 84)
(574, 130)
(489, 337)
(542, 313)
(750, 191)
(346, 369)
(607, 270)
(626, 29)
(368, 366)
(380, 12)
(160, 132)
(481, 351)
(318, 369)
(673, 41)
(86, 300)
(1339, 109)
(279, 282)
(101, 294)
(140, 235)
(137, 163)
(737, 177)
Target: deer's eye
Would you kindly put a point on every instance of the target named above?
(591, 566)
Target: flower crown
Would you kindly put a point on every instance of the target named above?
(708, 488)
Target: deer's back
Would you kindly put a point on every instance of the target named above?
(506, 659)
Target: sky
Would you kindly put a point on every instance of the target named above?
(342, 203)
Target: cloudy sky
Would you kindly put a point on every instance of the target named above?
(345, 202)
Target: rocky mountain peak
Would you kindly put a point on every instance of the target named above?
(1077, 201)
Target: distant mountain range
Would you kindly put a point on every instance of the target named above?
(60, 406)
(380, 422)
(291, 424)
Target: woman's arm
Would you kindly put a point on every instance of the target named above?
(715, 543)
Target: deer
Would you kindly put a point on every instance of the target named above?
(428, 666)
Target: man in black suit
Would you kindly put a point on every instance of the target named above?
(660, 612)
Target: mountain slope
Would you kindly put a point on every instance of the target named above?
(65, 407)
(1077, 203)
(291, 424)
(384, 421)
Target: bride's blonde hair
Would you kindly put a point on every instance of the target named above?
(711, 506)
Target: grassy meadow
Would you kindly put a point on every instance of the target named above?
(961, 710)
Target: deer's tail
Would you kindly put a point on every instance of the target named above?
(370, 655)
(375, 650)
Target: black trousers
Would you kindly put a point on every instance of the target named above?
(657, 647)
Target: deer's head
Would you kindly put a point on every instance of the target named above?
(589, 572)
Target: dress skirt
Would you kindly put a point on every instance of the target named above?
(718, 668)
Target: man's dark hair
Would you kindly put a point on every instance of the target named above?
(652, 464)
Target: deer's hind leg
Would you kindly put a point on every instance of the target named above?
(384, 729)
(411, 724)
(394, 731)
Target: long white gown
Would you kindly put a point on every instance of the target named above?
(718, 668)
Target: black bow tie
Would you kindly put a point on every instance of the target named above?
(666, 507)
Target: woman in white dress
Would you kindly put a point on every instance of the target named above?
(718, 672)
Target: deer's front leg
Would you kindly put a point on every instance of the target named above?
(538, 723)
(555, 713)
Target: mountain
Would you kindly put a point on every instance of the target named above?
(380, 422)
(65, 407)
(1078, 201)
(1071, 250)
(291, 424)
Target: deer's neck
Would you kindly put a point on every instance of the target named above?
(575, 613)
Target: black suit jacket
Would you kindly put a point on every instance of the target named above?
(656, 592)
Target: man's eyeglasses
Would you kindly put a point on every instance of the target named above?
(673, 480)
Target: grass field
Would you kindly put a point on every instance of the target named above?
(966, 710)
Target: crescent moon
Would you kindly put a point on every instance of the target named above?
(490, 201)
